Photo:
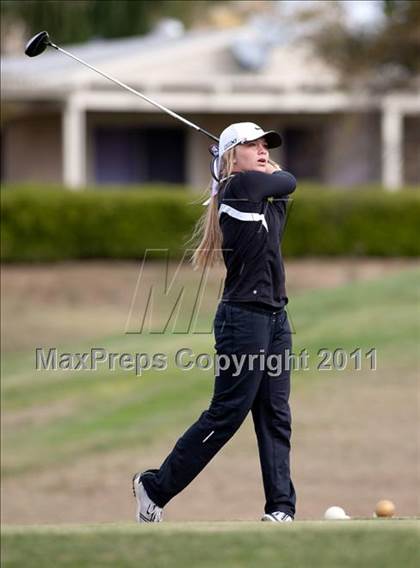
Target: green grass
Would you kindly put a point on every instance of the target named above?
(54, 418)
(57, 417)
(304, 544)
(382, 313)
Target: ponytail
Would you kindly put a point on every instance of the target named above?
(207, 237)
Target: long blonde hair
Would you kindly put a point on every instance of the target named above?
(207, 237)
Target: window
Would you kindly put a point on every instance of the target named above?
(138, 155)
(304, 152)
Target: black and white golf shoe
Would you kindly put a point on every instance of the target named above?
(277, 517)
(147, 511)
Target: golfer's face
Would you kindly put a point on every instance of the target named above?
(252, 156)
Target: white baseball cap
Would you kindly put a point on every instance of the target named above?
(241, 132)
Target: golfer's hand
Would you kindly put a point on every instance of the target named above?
(272, 167)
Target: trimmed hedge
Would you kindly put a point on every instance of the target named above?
(360, 222)
(56, 224)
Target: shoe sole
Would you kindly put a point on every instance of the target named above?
(135, 482)
(135, 476)
(268, 518)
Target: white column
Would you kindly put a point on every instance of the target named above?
(392, 147)
(74, 144)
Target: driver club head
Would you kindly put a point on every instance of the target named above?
(37, 44)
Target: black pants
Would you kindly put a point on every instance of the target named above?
(264, 389)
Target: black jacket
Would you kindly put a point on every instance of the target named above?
(252, 227)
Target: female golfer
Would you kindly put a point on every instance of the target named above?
(245, 219)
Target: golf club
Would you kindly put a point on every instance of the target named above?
(38, 44)
(41, 41)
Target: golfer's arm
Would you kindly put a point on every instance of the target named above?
(259, 185)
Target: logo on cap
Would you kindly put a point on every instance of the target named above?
(230, 143)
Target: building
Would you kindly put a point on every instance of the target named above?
(63, 123)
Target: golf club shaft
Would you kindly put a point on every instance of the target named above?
(124, 86)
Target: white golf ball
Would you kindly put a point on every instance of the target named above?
(335, 513)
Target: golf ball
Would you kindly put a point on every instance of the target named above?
(384, 508)
(335, 513)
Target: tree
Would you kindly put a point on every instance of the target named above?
(385, 56)
(74, 21)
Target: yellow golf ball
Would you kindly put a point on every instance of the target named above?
(385, 508)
